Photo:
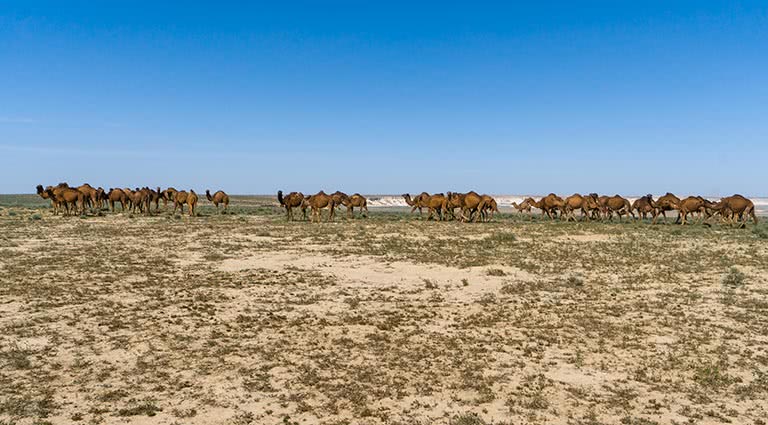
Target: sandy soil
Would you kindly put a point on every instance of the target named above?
(245, 318)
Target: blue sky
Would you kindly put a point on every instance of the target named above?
(615, 97)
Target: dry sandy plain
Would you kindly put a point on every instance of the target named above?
(248, 319)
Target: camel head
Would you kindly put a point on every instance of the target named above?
(40, 189)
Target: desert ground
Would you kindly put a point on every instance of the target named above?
(245, 318)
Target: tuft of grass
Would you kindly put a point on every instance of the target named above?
(36, 217)
(574, 280)
(467, 419)
(145, 408)
(733, 278)
(495, 272)
(501, 237)
(761, 232)
(16, 357)
(429, 284)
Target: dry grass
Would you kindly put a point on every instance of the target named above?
(244, 318)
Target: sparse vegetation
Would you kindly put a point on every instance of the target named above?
(383, 320)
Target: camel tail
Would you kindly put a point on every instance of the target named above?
(280, 197)
(208, 195)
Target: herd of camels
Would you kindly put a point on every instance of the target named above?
(465, 207)
(75, 200)
(471, 206)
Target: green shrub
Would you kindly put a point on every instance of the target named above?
(733, 278)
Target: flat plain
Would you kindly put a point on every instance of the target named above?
(246, 318)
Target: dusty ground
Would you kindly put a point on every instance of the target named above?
(245, 318)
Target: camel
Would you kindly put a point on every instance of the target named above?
(129, 193)
(524, 206)
(45, 195)
(550, 204)
(89, 193)
(736, 207)
(117, 195)
(67, 197)
(49, 192)
(489, 207)
(139, 200)
(435, 206)
(192, 202)
(179, 200)
(470, 203)
(168, 196)
(154, 196)
(575, 202)
(291, 201)
(643, 206)
(689, 205)
(663, 204)
(417, 202)
(319, 201)
(339, 198)
(592, 206)
(356, 200)
(220, 197)
(620, 206)
(452, 201)
(101, 197)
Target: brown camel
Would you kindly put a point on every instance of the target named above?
(489, 206)
(220, 197)
(68, 197)
(471, 205)
(117, 195)
(550, 204)
(291, 201)
(168, 196)
(735, 208)
(101, 197)
(435, 206)
(140, 200)
(338, 198)
(90, 194)
(592, 206)
(524, 206)
(643, 206)
(663, 204)
(689, 205)
(45, 195)
(575, 202)
(154, 197)
(192, 202)
(452, 201)
(54, 190)
(620, 206)
(319, 201)
(356, 200)
(179, 200)
(417, 202)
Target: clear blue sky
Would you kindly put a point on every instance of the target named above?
(615, 96)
